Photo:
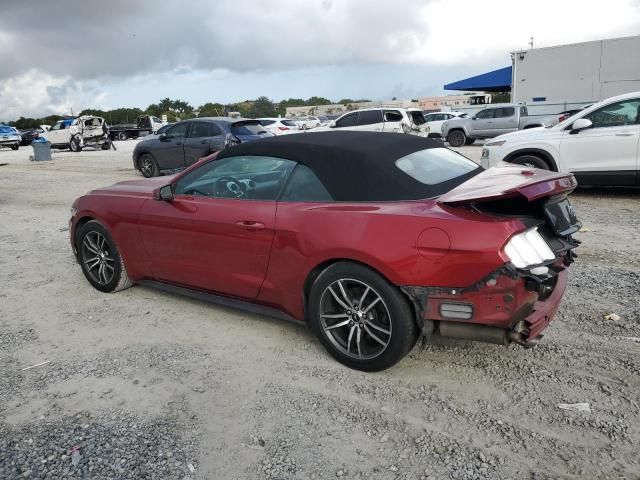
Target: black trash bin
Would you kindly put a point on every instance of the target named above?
(41, 151)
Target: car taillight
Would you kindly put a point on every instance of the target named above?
(283, 128)
(563, 118)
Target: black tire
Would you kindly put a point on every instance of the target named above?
(148, 166)
(391, 311)
(122, 136)
(532, 161)
(15, 147)
(106, 145)
(469, 141)
(74, 144)
(456, 138)
(100, 260)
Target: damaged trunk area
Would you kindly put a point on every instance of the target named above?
(518, 300)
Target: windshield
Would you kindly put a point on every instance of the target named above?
(247, 127)
(435, 165)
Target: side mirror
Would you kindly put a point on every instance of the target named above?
(162, 137)
(332, 124)
(580, 124)
(164, 193)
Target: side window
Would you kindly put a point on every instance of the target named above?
(177, 131)
(504, 112)
(369, 117)
(241, 178)
(56, 126)
(524, 112)
(484, 114)
(156, 120)
(264, 123)
(347, 121)
(392, 116)
(200, 130)
(304, 186)
(617, 114)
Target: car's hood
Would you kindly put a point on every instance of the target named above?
(523, 135)
(508, 181)
(142, 187)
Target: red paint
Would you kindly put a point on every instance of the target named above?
(264, 251)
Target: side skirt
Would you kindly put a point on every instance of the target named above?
(221, 300)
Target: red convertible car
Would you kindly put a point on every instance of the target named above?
(371, 238)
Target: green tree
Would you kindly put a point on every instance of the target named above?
(210, 109)
(318, 101)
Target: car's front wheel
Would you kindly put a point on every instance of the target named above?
(75, 145)
(15, 147)
(531, 161)
(363, 321)
(148, 166)
(457, 138)
(122, 136)
(100, 259)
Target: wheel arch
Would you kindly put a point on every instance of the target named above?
(321, 267)
(537, 152)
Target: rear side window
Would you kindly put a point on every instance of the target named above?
(288, 123)
(247, 127)
(369, 117)
(201, 129)
(265, 123)
(417, 118)
(504, 112)
(392, 116)
(348, 120)
(435, 165)
(304, 186)
(524, 112)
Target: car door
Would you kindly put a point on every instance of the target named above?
(392, 121)
(216, 233)
(347, 122)
(203, 138)
(607, 152)
(504, 121)
(169, 150)
(482, 122)
(57, 134)
(370, 121)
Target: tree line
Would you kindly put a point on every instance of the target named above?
(176, 109)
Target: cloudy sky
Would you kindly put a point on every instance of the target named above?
(78, 54)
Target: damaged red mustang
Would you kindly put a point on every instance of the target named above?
(371, 238)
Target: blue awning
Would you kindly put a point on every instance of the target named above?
(495, 81)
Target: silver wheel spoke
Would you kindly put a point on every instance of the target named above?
(349, 340)
(89, 246)
(371, 305)
(339, 324)
(358, 336)
(380, 329)
(108, 259)
(110, 267)
(366, 290)
(344, 294)
(374, 336)
(93, 265)
(337, 299)
(335, 315)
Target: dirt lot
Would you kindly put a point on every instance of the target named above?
(152, 385)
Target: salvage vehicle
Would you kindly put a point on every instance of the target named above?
(492, 121)
(599, 145)
(182, 144)
(407, 120)
(77, 133)
(9, 137)
(370, 238)
(145, 125)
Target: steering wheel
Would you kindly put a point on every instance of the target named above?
(228, 185)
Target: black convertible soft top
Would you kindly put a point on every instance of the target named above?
(354, 166)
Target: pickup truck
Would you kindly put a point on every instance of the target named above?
(145, 125)
(491, 122)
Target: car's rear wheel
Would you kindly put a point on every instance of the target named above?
(15, 147)
(362, 320)
(531, 161)
(457, 138)
(148, 166)
(100, 259)
(122, 136)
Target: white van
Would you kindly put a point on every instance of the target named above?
(383, 119)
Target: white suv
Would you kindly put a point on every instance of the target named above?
(599, 144)
(385, 119)
(436, 119)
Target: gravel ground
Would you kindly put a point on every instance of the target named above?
(143, 384)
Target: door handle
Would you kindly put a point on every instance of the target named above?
(624, 134)
(250, 225)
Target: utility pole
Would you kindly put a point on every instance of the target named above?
(531, 42)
